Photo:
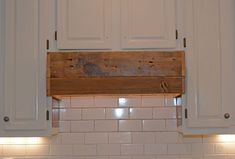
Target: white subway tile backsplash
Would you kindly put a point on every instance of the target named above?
(152, 101)
(170, 101)
(96, 138)
(141, 113)
(155, 149)
(65, 102)
(154, 125)
(215, 157)
(164, 113)
(84, 150)
(144, 157)
(72, 138)
(171, 125)
(121, 157)
(121, 127)
(70, 114)
(95, 113)
(143, 137)
(117, 113)
(106, 125)
(129, 101)
(82, 126)
(106, 101)
(64, 126)
(96, 157)
(130, 125)
(82, 101)
(120, 137)
(132, 149)
(61, 150)
(171, 157)
(37, 150)
(182, 149)
(109, 149)
(14, 150)
(167, 137)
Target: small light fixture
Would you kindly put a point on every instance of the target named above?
(226, 138)
(20, 140)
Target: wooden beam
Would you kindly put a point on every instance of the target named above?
(71, 73)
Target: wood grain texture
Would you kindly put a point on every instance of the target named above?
(71, 73)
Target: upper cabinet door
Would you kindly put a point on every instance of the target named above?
(84, 24)
(148, 23)
(210, 62)
(24, 68)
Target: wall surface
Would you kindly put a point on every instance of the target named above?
(119, 127)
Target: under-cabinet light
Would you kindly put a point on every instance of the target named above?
(226, 138)
(20, 141)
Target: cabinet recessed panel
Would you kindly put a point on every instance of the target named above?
(204, 63)
(84, 24)
(22, 66)
(148, 23)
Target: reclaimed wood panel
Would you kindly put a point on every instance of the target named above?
(71, 73)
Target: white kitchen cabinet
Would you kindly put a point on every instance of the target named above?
(25, 107)
(210, 57)
(148, 23)
(132, 24)
(84, 24)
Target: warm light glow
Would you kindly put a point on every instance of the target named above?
(4, 141)
(226, 138)
(119, 113)
(20, 141)
(122, 101)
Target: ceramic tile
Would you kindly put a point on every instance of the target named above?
(82, 101)
(179, 149)
(164, 113)
(143, 137)
(72, 138)
(117, 113)
(130, 125)
(96, 138)
(84, 150)
(106, 125)
(14, 150)
(94, 113)
(37, 150)
(64, 126)
(120, 137)
(152, 101)
(129, 101)
(70, 114)
(132, 149)
(171, 125)
(106, 101)
(170, 101)
(108, 149)
(65, 102)
(60, 149)
(167, 137)
(141, 113)
(155, 149)
(82, 126)
(154, 125)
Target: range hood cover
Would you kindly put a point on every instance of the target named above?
(143, 72)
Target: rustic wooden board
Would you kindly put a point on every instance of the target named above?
(71, 73)
(106, 64)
